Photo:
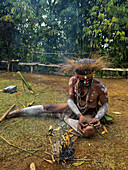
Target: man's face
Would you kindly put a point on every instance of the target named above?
(86, 81)
(87, 78)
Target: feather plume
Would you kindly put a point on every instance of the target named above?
(82, 65)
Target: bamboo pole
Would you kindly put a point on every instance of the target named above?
(6, 113)
(25, 82)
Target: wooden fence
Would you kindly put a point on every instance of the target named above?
(113, 70)
(32, 65)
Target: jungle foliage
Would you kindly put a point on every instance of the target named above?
(30, 29)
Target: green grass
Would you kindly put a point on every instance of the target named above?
(25, 132)
(108, 151)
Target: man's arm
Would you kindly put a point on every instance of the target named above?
(103, 98)
(101, 112)
(70, 101)
(73, 106)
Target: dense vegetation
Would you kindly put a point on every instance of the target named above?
(47, 30)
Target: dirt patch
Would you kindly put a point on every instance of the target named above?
(108, 151)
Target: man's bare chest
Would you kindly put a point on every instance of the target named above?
(84, 92)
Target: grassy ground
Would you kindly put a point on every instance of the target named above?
(108, 151)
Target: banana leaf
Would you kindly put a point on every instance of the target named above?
(108, 117)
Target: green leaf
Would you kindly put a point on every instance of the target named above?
(114, 19)
(108, 117)
(122, 38)
(118, 33)
(93, 14)
(118, 113)
(110, 3)
(12, 10)
(108, 9)
(95, 8)
(88, 19)
(101, 16)
(123, 33)
(110, 25)
(116, 27)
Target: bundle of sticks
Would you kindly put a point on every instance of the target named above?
(63, 150)
(62, 144)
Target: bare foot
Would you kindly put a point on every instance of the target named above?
(14, 113)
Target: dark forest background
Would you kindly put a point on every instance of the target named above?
(46, 31)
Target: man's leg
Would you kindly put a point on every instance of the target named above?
(39, 109)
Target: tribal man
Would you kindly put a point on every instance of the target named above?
(85, 93)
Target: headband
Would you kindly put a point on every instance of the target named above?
(87, 76)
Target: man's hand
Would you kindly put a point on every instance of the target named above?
(84, 128)
(81, 124)
(96, 123)
(79, 128)
(82, 120)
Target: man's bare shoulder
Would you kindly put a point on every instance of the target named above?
(97, 81)
(72, 80)
(99, 85)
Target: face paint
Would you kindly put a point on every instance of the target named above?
(85, 79)
(86, 82)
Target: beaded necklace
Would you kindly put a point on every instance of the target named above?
(79, 97)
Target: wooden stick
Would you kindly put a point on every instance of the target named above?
(49, 161)
(81, 159)
(13, 144)
(30, 104)
(9, 125)
(52, 149)
(71, 133)
(50, 141)
(6, 113)
(32, 166)
(19, 147)
(47, 153)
